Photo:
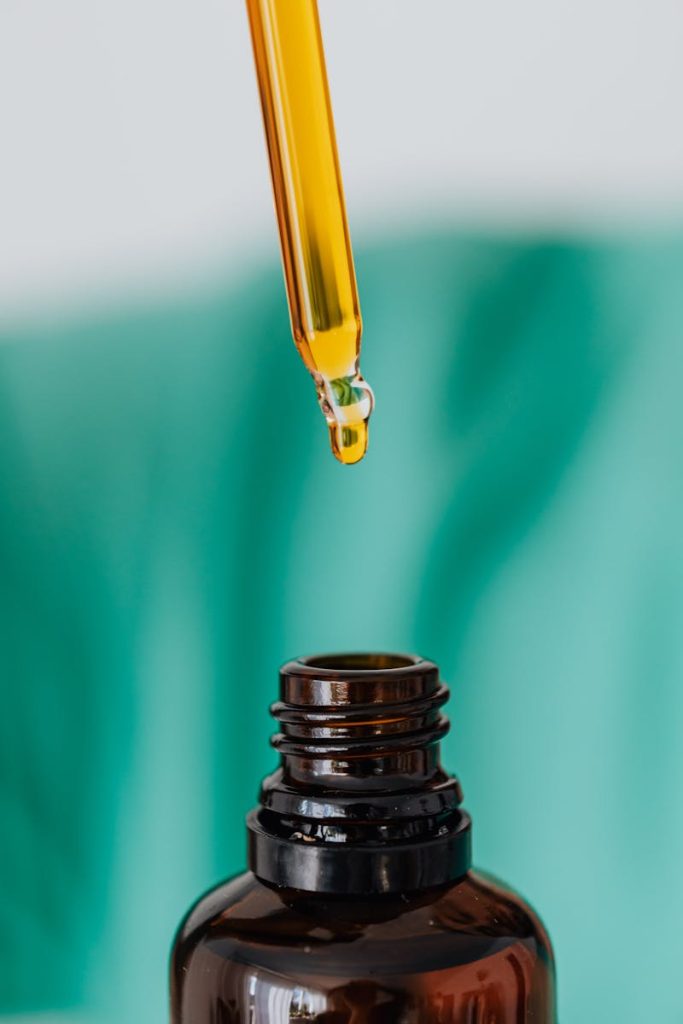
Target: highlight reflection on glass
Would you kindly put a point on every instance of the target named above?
(271, 1000)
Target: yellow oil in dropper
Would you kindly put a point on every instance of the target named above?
(309, 200)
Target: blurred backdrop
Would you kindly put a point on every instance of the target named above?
(513, 178)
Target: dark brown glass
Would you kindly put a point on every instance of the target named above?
(361, 810)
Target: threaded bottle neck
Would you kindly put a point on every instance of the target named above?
(360, 802)
(360, 722)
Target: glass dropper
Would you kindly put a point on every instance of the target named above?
(309, 201)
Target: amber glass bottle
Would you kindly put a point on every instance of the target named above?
(359, 906)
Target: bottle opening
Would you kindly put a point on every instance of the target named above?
(360, 662)
(357, 678)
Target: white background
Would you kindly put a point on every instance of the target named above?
(132, 148)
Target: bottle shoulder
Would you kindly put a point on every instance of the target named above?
(504, 911)
(476, 917)
(212, 906)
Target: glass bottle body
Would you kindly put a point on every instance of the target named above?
(466, 953)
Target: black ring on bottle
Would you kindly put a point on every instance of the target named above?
(360, 870)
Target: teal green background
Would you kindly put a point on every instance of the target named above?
(173, 527)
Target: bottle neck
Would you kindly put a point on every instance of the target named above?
(360, 803)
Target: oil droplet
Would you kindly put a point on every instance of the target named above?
(347, 403)
(349, 441)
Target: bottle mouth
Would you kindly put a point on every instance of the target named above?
(337, 664)
(357, 679)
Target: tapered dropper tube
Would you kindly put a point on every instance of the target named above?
(309, 201)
